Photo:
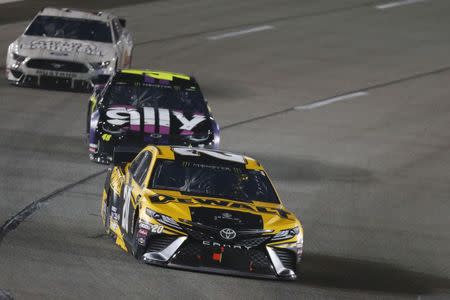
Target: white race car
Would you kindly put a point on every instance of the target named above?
(65, 48)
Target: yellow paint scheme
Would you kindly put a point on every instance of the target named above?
(119, 239)
(176, 205)
(157, 74)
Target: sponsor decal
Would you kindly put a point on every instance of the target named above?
(121, 116)
(216, 244)
(56, 73)
(216, 154)
(145, 226)
(163, 199)
(64, 46)
(188, 124)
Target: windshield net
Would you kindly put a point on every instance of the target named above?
(70, 28)
(161, 94)
(220, 181)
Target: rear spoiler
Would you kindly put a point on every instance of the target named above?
(123, 155)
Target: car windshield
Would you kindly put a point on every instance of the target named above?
(168, 96)
(70, 28)
(220, 181)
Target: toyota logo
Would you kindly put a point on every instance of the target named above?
(228, 234)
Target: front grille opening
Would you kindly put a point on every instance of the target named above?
(253, 242)
(193, 253)
(287, 257)
(57, 65)
(16, 74)
(158, 243)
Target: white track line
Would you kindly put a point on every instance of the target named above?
(9, 1)
(398, 3)
(331, 100)
(241, 32)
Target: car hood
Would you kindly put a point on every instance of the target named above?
(64, 49)
(222, 213)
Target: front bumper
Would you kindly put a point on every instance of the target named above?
(186, 253)
(45, 73)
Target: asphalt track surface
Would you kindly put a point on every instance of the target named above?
(368, 176)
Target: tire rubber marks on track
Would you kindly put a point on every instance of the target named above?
(398, 3)
(17, 219)
(240, 32)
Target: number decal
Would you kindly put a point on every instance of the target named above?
(126, 206)
(157, 228)
(217, 154)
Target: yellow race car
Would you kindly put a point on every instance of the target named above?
(200, 209)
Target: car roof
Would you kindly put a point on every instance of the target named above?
(75, 13)
(164, 75)
(167, 152)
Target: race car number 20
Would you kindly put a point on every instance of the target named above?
(156, 228)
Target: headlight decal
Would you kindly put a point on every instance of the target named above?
(18, 58)
(163, 219)
(286, 234)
